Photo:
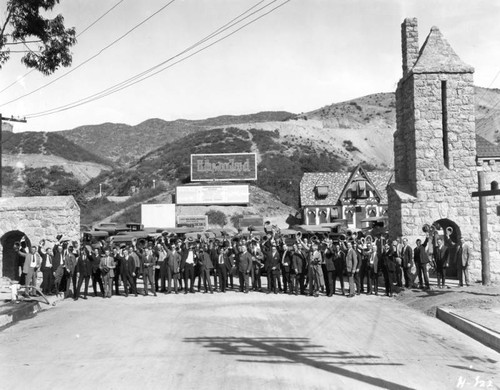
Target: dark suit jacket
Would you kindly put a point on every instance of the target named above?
(328, 258)
(84, 267)
(299, 262)
(127, 266)
(339, 261)
(286, 260)
(388, 261)
(245, 262)
(406, 257)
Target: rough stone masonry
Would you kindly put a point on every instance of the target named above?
(435, 146)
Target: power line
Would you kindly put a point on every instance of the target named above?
(91, 58)
(144, 75)
(78, 35)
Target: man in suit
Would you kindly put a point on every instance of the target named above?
(84, 271)
(70, 265)
(46, 268)
(339, 267)
(422, 260)
(462, 259)
(107, 267)
(127, 272)
(274, 268)
(407, 262)
(388, 266)
(188, 260)
(442, 258)
(244, 265)
(148, 263)
(286, 267)
(206, 266)
(32, 262)
(173, 261)
(223, 266)
(329, 268)
(299, 265)
(95, 260)
(351, 260)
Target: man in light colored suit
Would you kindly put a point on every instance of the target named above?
(462, 258)
(351, 260)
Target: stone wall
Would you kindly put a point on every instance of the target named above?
(435, 149)
(36, 218)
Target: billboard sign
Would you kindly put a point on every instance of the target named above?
(223, 167)
(251, 220)
(210, 195)
(193, 221)
(158, 215)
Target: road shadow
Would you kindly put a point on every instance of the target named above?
(295, 350)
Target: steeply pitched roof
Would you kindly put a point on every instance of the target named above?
(436, 55)
(337, 183)
(334, 180)
(485, 148)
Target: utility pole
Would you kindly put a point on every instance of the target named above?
(11, 119)
(483, 224)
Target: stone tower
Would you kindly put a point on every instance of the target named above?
(435, 142)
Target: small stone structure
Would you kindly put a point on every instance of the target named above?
(35, 218)
(435, 144)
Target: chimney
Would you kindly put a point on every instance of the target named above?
(409, 43)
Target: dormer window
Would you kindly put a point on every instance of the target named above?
(321, 192)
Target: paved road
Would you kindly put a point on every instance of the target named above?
(240, 341)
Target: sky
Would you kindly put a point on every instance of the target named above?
(302, 56)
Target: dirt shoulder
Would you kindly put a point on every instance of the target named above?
(474, 297)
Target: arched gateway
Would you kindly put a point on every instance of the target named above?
(435, 143)
(35, 218)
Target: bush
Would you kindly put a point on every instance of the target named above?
(216, 217)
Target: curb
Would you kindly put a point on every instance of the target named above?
(478, 332)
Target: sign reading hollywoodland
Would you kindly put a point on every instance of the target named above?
(223, 167)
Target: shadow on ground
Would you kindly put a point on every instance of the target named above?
(284, 350)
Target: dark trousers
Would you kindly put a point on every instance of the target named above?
(48, 281)
(116, 280)
(257, 283)
(365, 273)
(97, 279)
(389, 281)
(330, 289)
(300, 284)
(423, 275)
(189, 275)
(441, 276)
(149, 275)
(161, 276)
(128, 282)
(356, 282)
(338, 274)
(205, 274)
(222, 273)
(407, 275)
(287, 281)
(243, 276)
(79, 286)
(269, 279)
(71, 277)
(172, 276)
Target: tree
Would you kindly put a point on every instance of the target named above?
(24, 25)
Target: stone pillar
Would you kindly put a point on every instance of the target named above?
(409, 43)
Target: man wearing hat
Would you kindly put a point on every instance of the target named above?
(244, 266)
(188, 259)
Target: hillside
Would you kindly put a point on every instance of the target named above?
(125, 144)
(282, 159)
(46, 143)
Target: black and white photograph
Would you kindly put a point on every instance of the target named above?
(249, 194)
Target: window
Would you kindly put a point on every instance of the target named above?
(321, 191)
(444, 115)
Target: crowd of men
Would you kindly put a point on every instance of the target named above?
(301, 266)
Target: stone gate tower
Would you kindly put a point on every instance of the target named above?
(435, 142)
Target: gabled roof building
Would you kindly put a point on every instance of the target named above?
(329, 197)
